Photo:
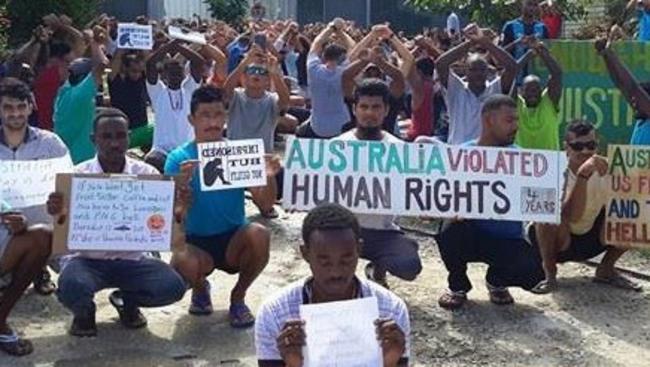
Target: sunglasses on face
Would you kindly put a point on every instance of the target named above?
(257, 71)
(580, 146)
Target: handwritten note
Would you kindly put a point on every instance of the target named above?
(341, 334)
(123, 214)
(232, 164)
(134, 36)
(29, 183)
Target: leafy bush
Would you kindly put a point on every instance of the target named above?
(230, 11)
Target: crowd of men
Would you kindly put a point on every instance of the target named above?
(71, 91)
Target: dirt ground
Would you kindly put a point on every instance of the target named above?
(582, 324)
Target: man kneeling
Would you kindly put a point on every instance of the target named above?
(142, 281)
(580, 236)
(331, 236)
(23, 253)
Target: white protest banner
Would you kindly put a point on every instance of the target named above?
(628, 205)
(374, 177)
(134, 36)
(120, 214)
(29, 183)
(189, 36)
(232, 164)
(341, 334)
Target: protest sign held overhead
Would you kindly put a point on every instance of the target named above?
(28, 183)
(134, 36)
(116, 213)
(628, 206)
(185, 35)
(232, 164)
(375, 177)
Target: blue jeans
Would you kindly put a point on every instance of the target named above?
(143, 283)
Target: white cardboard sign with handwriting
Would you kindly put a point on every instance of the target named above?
(124, 214)
(341, 333)
(29, 183)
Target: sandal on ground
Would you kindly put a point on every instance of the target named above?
(544, 287)
(452, 300)
(13, 345)
(83, 327)
(619, 281)
(43, 283)
(370, 275)
(500, 295)
(131, 319)
(240, 316)
(201, 302)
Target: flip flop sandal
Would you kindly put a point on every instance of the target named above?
(15, 346)
(501, 297)
(619, 281)
(43, 284)
(240, 316)
(452, 300)
(544, 287)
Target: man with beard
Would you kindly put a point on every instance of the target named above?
(24, 248)
(501, 245)
(386, 247)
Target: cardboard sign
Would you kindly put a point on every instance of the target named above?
(341, 333)
(29, 183)
(134, 36)
(115, 213)
(232, 164)
(189, 36)
(374, 177)
(628, 208)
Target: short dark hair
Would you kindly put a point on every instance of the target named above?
(425, 65)
(15, 88)
(496, 101)
(59, 49)
(109, 113)
(130, 58)
(333, 52)
(372, 87)
(329, 216)
(205, 94)
(579, 127)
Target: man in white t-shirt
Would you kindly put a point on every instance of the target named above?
(384, 244)
(581, 234)
(331, 236)
(465, 98)
(170, 99)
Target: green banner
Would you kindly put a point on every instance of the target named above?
(588, 90)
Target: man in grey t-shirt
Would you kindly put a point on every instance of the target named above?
(254, 111)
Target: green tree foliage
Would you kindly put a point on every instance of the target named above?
(493, 13)
(229, 11)
(25, 15)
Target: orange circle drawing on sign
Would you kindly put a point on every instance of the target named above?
(156, 223)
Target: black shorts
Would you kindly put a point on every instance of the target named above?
(582, 247)
(216, 246)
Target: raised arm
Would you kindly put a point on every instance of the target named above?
(197, 62)
(554, 84)
(116, 63)
(398, 83)
(502, 57)
(366, 43)
(443, 64)
(351, 71)
(95, 39)
(211, 52)
(408, 61)
(154, 59)
(319, 41)
(74, 37)
(235, 76)
(348, 42)
(624, 80)
(428, 47)
(284, 96)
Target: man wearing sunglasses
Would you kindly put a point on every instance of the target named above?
(580, 235)
(254, 111)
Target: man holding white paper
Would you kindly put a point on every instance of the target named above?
(21, 142)
(142, 281)
(331, 236)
